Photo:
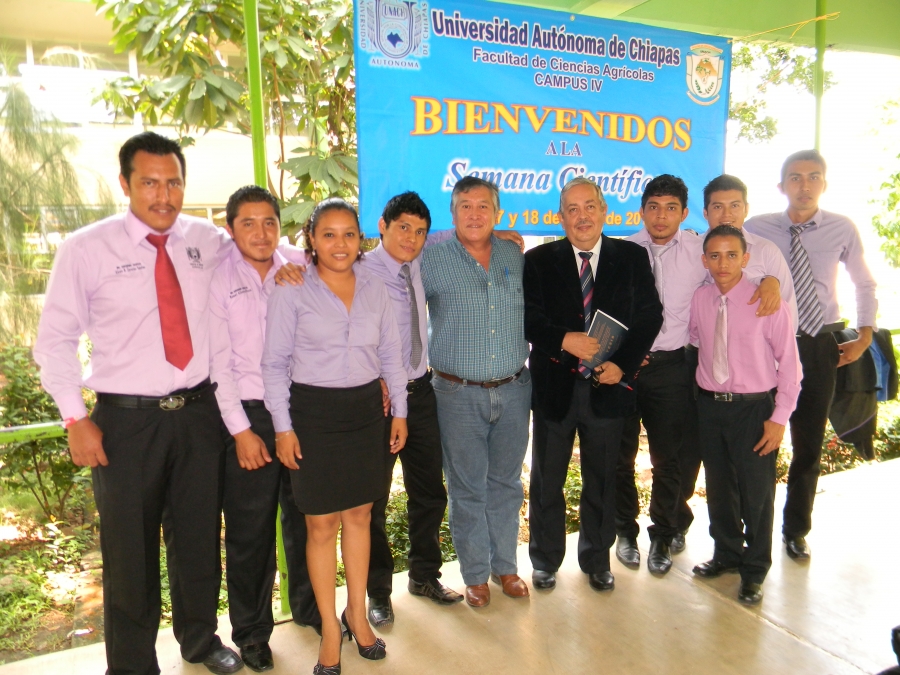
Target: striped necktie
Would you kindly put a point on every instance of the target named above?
(587, 293)
(415, 352)
(808, 306)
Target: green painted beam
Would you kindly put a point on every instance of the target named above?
(31, 432)
(254, 74)
(819, 83)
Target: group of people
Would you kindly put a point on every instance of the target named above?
(243, 374)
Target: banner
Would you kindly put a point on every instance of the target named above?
(530, 99)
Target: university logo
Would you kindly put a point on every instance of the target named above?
(704, 74)
(398, 29)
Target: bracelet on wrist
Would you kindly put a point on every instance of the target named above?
(284, 434)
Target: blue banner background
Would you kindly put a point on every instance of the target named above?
(408, 62)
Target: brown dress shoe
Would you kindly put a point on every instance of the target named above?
(478, 595)
(512, 584)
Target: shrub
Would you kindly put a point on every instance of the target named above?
(41, 467)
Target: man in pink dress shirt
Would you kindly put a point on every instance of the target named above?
(743, 361)
(138, 284)
(255, 481)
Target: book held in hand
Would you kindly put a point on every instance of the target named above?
(609, 333)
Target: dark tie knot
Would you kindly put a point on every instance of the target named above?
(585, 255)
(404, 271)
(158, 240)
(795, 230)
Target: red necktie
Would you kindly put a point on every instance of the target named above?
(173, 319)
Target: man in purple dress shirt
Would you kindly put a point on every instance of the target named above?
(404, 226)
(743, 361)
(814, 242)
(138, 284)
(255, 481)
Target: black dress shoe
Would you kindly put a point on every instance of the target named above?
(543, 580)
(435, 590)
(627, 552)
(678, 543)
(257, 657)
(381, 612)
(222, 660)
(796, 547)
(602, 581)
(750, 593)
(659, 560)
(712, 569)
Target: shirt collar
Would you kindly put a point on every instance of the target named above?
(388, 260)
(138, 230)
(741, 291)
(644, 238)
(595, 250)
(816, 220)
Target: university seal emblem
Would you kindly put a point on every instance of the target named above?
(704, 73)
(396, 28)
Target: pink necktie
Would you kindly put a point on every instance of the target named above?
(173, 321)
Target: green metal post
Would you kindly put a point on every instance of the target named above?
(819, 85)
(254, 72)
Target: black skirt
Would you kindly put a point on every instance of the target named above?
(342, 440)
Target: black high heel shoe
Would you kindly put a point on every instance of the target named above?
(374, 652)
(319, 669)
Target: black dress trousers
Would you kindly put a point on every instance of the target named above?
(422, 464)
(740, 484)
(663, 393)
(164, 468)
(250, 507)
(599, 442)
(819, 357)
(690, 457)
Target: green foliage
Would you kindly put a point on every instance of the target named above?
(41, 467)
(887, 222)
(572, 492)
(397, 528)
(39, 192)
(307, 69)
(771, 65)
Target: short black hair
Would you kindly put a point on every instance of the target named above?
(151, 142)
(803, 156)
(406, 202)
(665, 185)
(725, 231)
(721, 184)
(249, 194)
(323, 207)
(469, 183)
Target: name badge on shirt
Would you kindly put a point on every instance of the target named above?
(126, 268)
(238, 291)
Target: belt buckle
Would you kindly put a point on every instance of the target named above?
(171, 402)
(722, 396)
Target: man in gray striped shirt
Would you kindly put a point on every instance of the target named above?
(473, 284)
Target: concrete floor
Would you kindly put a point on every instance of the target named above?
(830, 616)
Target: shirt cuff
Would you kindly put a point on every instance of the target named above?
(237, 421)
(399, 409)
(71, 406)
(781, 415)
(281, 420)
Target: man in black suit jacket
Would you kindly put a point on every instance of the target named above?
(565, 282)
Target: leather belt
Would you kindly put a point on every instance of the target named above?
(253, 403)
(415, 385)
(661, 356)
(490, 384)
(728, 397)
(174, 401)
(826, 329)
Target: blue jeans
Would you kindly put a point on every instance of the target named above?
(484, 434)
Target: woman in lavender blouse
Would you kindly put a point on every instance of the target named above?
(327, 344)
